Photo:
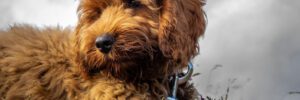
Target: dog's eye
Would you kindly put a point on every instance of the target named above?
(133, 3)
(159, 2)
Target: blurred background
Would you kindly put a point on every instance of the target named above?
(251, 47)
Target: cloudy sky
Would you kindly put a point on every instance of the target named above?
(250, 46)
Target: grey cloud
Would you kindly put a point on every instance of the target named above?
(6, 15)
(257, 43)
(38, 12)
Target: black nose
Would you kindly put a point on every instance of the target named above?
(104, 43)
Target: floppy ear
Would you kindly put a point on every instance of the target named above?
(182, 22)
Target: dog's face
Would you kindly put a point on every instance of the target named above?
(134, 38)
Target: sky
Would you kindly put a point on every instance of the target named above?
(250, 46)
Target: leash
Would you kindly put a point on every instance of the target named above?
(178, 80)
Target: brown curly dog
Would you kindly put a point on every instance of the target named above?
(120, 49)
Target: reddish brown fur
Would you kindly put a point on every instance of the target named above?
(153, 41)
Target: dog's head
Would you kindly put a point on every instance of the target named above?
(137, 39)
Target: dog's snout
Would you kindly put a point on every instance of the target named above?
(104, 43)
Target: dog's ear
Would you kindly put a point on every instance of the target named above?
(182, 22)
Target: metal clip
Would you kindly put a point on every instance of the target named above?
(180, 80)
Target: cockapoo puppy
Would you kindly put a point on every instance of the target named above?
(120, 49)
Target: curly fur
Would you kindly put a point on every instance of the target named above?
(154, 39)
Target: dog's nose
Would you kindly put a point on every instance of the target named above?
(104, 43)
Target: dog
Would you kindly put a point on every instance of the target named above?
(120, 49)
